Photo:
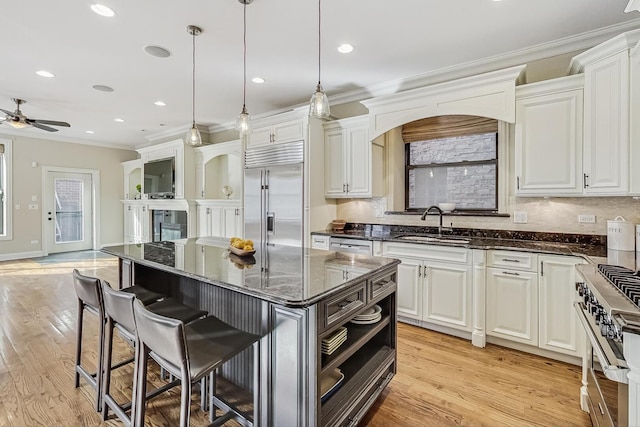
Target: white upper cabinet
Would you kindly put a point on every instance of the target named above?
(607, 105)
(219, 171)
(548, 137)
(350, 158)
(606, 138)
(288, 131)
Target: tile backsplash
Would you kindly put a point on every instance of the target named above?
(543, 214)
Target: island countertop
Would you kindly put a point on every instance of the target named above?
(291, 276)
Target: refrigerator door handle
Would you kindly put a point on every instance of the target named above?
(271, 223)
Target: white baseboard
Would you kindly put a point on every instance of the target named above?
(21, 255)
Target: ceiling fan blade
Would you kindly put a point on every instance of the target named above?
(43, 127)
(7, 112)
(49, 122)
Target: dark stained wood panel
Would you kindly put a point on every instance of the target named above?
(447, 127)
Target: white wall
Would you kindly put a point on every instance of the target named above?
(26, 182)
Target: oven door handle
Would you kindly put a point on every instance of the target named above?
(612, 372)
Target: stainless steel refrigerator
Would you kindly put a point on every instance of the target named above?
(273, 196)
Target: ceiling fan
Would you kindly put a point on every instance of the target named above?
(19, 121)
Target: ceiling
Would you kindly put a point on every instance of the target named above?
(393, 40)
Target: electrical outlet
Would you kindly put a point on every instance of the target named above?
(587, 218)
(17, 207)
(33, 207)
(520, 217)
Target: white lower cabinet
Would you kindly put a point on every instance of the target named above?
(512, 305)
(432, 288)
(560, 329)
(222, 219)
(136, 222)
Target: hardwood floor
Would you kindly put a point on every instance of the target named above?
(441, 380)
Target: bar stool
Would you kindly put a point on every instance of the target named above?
(189, 352)
(89, 293)
(118, 307)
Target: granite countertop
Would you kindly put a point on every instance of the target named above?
(292, 276)
(588, 247)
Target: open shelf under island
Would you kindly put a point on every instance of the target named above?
(294, 299)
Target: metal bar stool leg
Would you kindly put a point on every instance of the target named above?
(185, 400)
(79, 341)
(106, 386)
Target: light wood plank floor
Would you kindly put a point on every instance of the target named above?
(441, 380)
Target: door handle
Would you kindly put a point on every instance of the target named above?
(271, 222)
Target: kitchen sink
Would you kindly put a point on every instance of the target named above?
(427, 239)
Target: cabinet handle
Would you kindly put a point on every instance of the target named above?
(585, 177)
(144, 209)
(344, 188)
(126, 196)
(129, 208)
(518, 183)
(347, 187)
(510, 260)
(542, 268)
(419, 271)
(208, 211)
(510, 273)
(202, 194)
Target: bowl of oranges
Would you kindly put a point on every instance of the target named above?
(241, 247)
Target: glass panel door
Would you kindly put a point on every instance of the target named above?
(69, 214)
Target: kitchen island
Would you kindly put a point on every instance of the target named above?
(296, 299)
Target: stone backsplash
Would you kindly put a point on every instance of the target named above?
(551, 215)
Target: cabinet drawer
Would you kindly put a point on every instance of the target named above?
(338, 308)
(431, 252)
(382, 285)
(513, 260)
(320, 242)
(368, 397)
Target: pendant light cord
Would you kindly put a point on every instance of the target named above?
(244, 60)
(319, 45)
(193, 81)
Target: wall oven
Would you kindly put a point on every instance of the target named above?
(607, 302)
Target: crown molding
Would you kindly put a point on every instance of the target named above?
(22, 133)
(620, 43)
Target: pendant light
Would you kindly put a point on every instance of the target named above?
(243, 123)
(193, 136)
(319, 104)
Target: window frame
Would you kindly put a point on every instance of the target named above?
(495, 162)
(7, 183)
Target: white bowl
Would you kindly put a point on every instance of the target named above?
(447, 207)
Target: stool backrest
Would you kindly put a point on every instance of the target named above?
(88, 289)
(119, 306)
(163, 335)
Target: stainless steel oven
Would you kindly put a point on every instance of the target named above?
(604, 310)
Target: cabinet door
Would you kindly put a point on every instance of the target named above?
(204, 221)
(129, 224)
(512, 305)
(334, 177)
(410, 288)
(232, 224)
(606, 126)
(448, 295)
(550, 123)
(560, 329)
(288, 131)
(217, 221)
(259, 136)
(358, 162)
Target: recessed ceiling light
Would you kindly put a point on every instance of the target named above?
(44, 73)
(103, 88)
(157, 51)
(119, 120)
(102, 10)
(89, 131)
(257, 80)
(345, 48)
(160, 103)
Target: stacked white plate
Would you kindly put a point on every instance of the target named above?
(368, 316)
(331, 344)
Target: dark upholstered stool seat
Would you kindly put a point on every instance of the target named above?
(144, 295)
(173, 308)
(189, 352)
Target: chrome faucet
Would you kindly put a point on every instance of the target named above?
(424, 215)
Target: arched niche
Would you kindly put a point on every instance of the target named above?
(218, 166)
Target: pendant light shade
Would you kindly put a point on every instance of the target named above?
(319, 104)
(193, 135)
(243, 123)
